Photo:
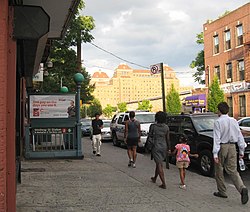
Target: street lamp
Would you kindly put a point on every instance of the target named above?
(64, 89)
(78, 78)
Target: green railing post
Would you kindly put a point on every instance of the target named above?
(27, 140)
(78, 78)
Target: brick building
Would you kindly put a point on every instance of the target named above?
(227, 55)
(27, 28)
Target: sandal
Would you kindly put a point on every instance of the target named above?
(162, 186)
(153, 179)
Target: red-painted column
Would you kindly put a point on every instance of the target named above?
(11, 114)
(3, 102)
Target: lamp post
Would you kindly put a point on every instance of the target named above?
(64, 89)
(78, 78)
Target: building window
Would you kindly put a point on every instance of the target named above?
(227, 40)
(239, 30)
(230, 104)
(217, 71)
(229, 72)
(216, 44)
(242, 105)
(241, 69)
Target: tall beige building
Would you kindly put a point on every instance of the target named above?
(128, 85)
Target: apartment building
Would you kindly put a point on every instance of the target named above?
(227, 49)
(128, 85)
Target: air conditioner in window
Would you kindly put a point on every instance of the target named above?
(229, 80)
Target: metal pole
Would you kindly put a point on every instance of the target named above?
(78, 130)
(78, 103)
(163, 89)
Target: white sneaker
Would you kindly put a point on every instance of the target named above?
(133, 165)
(183, 187)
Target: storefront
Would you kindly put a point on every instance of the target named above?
(238, 98)
(195, 103)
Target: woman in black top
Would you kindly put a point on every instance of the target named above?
(132, 137)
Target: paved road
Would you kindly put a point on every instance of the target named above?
(107, 184)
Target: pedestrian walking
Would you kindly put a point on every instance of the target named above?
(97, 125)
(182, 151)
(132, 137)
(159, 137)
(226, 134)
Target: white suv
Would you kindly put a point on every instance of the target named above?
(117, 126)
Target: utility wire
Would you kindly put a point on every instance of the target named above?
(178, 72)
(118, 56)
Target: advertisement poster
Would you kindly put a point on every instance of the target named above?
(50, 106)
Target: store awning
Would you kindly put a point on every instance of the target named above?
(196, 100)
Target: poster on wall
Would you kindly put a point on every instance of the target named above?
(50, 106)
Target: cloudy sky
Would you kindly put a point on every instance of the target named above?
(147, 32)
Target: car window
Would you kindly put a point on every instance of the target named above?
(114, 119)
(186, 124)
(106, 123)
(145, 118)
(120, 119)
(174, 124)
(204, 123)
(245, 123)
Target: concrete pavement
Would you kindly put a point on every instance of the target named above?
(107, 184)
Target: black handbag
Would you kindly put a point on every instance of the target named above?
(150, 140)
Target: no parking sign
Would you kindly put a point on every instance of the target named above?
(155, 69)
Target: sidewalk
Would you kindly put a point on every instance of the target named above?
(107, 184)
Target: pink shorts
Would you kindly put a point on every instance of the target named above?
(182, 164)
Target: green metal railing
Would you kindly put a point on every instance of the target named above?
(53, 138)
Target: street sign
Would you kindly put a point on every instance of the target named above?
(155, 69)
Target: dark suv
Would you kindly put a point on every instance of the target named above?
(199, 128)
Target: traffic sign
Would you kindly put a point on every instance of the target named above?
(155, 69)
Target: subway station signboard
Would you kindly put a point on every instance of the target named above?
(49, 106)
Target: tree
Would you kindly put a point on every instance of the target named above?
(83, 110)
(122, 107)
(95, 107)
(199, 62)
(108, 110)
(64, 58)
(215, 96)
(144, 105)
(173, 104)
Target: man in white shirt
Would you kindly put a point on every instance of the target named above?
(226, 134)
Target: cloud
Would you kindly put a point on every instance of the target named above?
(147, 32)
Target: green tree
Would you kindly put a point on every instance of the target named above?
(122, 107)
(108, 110)
(199, 62)
(173, 104)
(95, 107)
(83, 110)
(215, 96)
(144, 105)
(64, 58)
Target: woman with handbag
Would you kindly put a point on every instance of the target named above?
(158, 139)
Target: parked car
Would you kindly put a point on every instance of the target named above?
(106, 134)
(86, 126)
(117, 126)
(244, 123)
(199, 129)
